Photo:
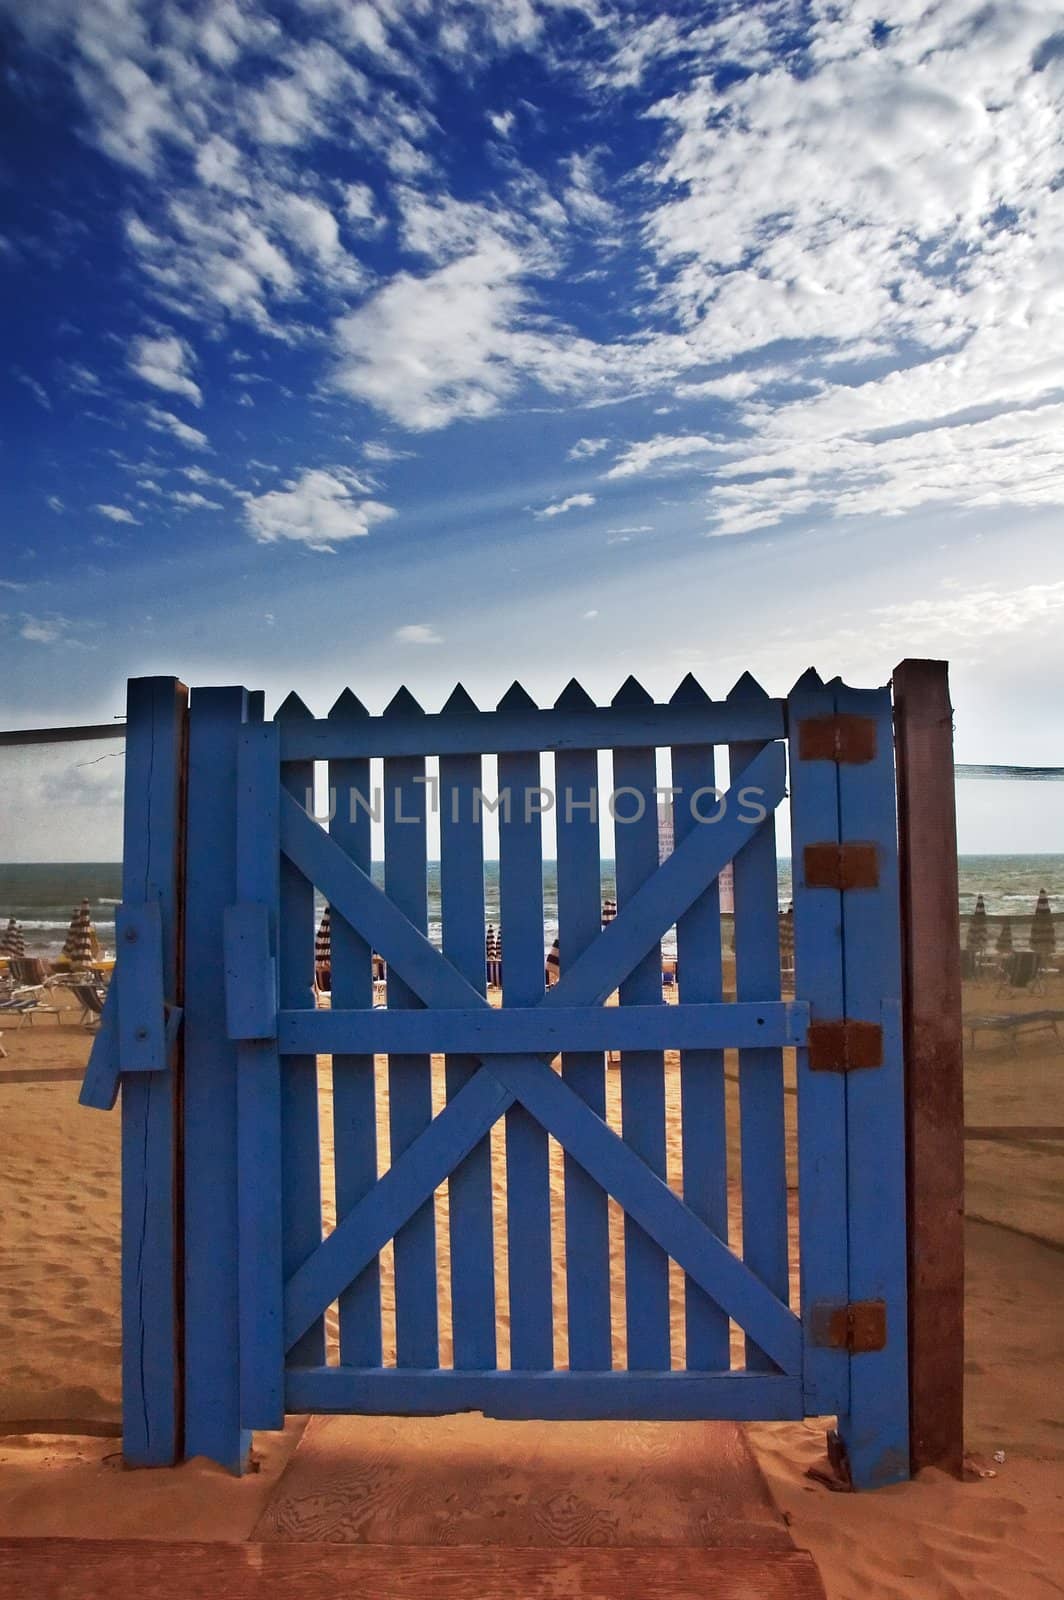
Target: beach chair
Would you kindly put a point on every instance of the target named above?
(90, 1000)
(1021, 971)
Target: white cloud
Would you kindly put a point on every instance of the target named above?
(428, 350)
(164, 361)
(662, 451)
(417, 633)
(320, 509)
(589, 616)
(380, 452)
(44, 630)
(360, 208)
(570, 503)
(192, 500)
(165, 422)
(584, 448)
(37, 390)
(115, 513)
(502, 122)
(55, 504)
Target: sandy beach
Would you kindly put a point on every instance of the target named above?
(1000, 1534)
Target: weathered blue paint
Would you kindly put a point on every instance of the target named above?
(757, 977)
(156, 726)
(300, 1159)
(703, 1129)
(635, 848)
(561, 1396)
(587, 1240)
(471, 1229)
(260, 1275)
(354, 1091)
(484, 1030)
(251, 938)
(523, 957)
(409, 1077)
(876, 1432)
(212, 1331)
(822, 1198)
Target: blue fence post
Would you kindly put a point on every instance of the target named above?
(152, 856)
(876, 1432)
(212, 1334)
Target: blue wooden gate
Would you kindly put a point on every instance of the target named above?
(261, 1270)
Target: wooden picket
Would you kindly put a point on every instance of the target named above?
(262, 1269)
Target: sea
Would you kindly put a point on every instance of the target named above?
(42, 896)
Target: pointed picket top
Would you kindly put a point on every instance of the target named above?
(631, 696)
(403, 704)
(517, 698)
(690, 693)
(574, 697)
(347, 707)
(292, 709)
(747, 692)
(460, 703)
(808, 682)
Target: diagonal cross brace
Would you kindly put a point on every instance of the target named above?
(606, 1158)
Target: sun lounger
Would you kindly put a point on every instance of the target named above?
(1011, 1024)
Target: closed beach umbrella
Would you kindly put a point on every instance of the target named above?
(82, 946)
(1043, 938)
(492, 956)
(978, 929)
(13, 944)
(787, 938)
(323, 952)
(1004, 939)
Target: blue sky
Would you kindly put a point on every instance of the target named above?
(349, 342)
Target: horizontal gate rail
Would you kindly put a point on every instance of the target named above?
(541, 1030)
(562, 1396)
(516, 730)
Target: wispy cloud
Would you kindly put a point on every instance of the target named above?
(417, 633)
(37, 390)
(115, 513)
(166, 362)
(320, 509)
(165, 422)
(572, 502)
(585, 448)
(662, 452)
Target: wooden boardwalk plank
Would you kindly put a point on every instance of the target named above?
(100, 1569)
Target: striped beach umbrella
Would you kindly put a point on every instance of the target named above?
(492, 954)
(1043, 938)
(1003, 945)
(12, 943)
(82, 946)
(554, 963)
(609, 911)
(323, 951)
(978, 929)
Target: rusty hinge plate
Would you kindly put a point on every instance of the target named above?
(843, 737)
(845, 1045)
(841, 866)
(858, 1327)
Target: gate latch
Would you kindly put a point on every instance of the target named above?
(858, 1327)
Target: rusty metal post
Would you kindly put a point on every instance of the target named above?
(927, 826)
